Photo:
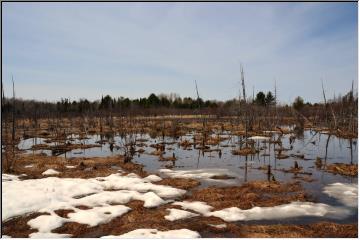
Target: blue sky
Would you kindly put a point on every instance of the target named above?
(84, 50)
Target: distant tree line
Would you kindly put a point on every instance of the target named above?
(165, 104)
(107, 104)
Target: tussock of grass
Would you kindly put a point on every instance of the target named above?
(343, 169)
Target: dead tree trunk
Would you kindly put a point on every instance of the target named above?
(245, 105)
(332, 111)
(13, 129)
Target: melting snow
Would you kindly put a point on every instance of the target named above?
(345, 193)
(153, 178)
(69, 166)
(49, 194)
(154, 233)
(135, 183)
(259, 138)
(294, 209)
(201, 174)
(50, 172)
(121, 197)
(271, 131)
(9, 177)
(48, 235)
(218, 225)
(45, 223)
(98, 215)
(54, 193)
(200, 207)
(176, 214)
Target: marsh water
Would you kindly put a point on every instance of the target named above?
(311, 144)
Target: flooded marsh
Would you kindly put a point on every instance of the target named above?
(277, 177)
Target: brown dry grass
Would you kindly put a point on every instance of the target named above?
(244, 151)
(85, 167)
(257, 193)
(319, 230)
(17, 227)
(343, 169)
(182, 183)
(140, 217)
(64, 147)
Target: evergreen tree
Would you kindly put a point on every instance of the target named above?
(269, 99)
(260, 99)
(298, 103)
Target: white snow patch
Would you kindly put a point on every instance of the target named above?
(98, 215)
(271, 131)
(151, 200)
(49, 194)
(218, 225)
(154, 233)
(69, 166)
(259, 138)
(176, 214)
(49, 235)
(5, 236)
(50, 172)
(44, 194)
(346, 193)
(201, 174)
(46, 223)
(135, 183)
(200, 207)
(29, 166)
(121, 197)
(52, 193)
(153, 178)
(9, 177)
(294, 209)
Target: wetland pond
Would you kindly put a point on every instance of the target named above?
(218, 160)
